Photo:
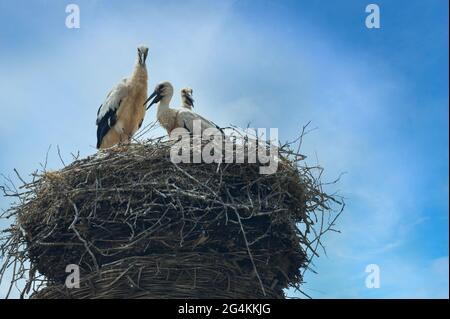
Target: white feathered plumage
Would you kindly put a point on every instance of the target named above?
(171, 118)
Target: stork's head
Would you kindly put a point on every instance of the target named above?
(142, 53)
(186, 97)
(163, 91)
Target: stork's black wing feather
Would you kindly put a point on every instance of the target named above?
(107, 113)
(187, 128)
(105, 124)
(219, 128)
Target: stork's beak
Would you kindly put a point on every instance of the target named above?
(142, 56)
(145, 56)
(190, 99)
(156, 98)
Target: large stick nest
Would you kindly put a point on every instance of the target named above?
(140, 226)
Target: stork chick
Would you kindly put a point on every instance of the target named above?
(122, 113)
(187, 101)
(171, 118)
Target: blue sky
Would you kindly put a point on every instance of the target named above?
(379, 99)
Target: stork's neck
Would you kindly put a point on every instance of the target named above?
(164, 105)
(139, 73)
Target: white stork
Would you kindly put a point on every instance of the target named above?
(187, 101)
(122, 113)
(171, 118)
